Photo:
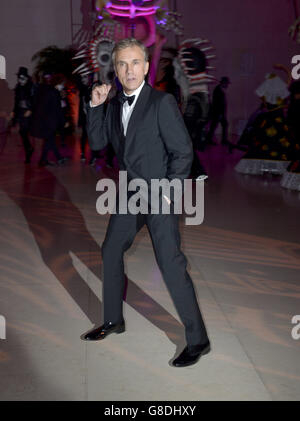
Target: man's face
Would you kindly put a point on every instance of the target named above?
(85, 80)
(22, 80)
(225, 85)
(131, 68)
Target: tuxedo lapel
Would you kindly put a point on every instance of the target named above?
(118, 116)
(137, 114)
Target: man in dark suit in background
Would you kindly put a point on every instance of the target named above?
(47, 118)
(24, 92)
(219, 111)
(151, 141)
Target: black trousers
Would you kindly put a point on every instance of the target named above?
(110, 153)
(50, 145)
(165, 237)
(24, 133)
(215, 120)
(197, 168)
(83, 139)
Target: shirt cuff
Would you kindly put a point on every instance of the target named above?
(93, 106)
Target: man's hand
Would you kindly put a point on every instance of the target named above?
(99, 94)
(27, 113)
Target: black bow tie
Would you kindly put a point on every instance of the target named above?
(123, 98)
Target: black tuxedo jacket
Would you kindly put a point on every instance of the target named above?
(157, 144)
(47, 114)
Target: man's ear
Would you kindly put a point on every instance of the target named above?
(146, 68)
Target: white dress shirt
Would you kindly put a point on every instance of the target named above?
(128, 109)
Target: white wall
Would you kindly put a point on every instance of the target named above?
(27, 26)
(250, 36)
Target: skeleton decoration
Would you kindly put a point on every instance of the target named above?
(118, 19)
(191, 67)
(97, 56)
(125, 8)
(151, 11)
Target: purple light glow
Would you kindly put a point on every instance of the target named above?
(127, 15)
(130, 10)
(113, 6)
(162, 22)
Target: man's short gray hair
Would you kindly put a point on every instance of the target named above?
(129, 42)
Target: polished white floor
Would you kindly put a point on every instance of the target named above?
(244, 260)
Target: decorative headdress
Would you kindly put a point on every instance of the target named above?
(191, 66)
(97, 55)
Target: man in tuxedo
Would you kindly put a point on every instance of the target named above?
(151, 141)
(22, 113)
(47, 118)
(219, 111)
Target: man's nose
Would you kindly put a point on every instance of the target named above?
(129, 68)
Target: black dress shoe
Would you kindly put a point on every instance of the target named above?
(104, 330)
(191, 354)
(92, 162)
(62, 160)
(45, 163)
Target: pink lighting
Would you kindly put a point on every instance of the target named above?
(130, 10)
(131, 15)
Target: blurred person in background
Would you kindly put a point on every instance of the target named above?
(47, 118)
(22, 111)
